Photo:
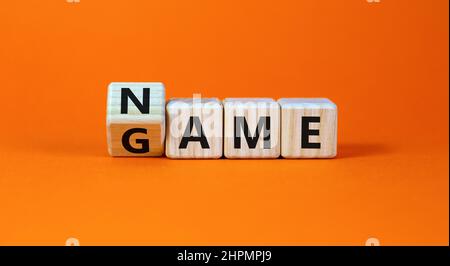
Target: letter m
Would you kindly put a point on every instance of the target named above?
(240, 125)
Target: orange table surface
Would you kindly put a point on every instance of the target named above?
(384, 64)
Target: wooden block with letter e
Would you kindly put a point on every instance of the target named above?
(194, 128)
(308, 128)
(136, 119)
(252, 128)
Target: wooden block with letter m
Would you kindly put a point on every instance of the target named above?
(136, 119)
(252, 128)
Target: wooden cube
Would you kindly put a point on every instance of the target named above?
(308, 128)
(194, 128)
(136, 119)
(252, 128)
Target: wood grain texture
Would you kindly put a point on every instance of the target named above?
(253, 109)
(209, 113)
(153, 123)
(292, 111)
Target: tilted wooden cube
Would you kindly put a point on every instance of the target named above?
(308, 128)
(252, 128)
(136, 119)
(194, 128)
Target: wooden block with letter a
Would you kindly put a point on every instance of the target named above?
(194, 128)
(308, 128)
(136, 119)
(252, 128)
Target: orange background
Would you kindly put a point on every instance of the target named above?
(384, 64)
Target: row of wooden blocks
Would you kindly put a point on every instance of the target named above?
(139, 123)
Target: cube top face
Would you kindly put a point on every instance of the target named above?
(252, 128)
(194, 128)
(127, 102)
(302, 103)
(251, 106)
(248, 100)
(136, 118)
(189, 103)
(308, 128)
